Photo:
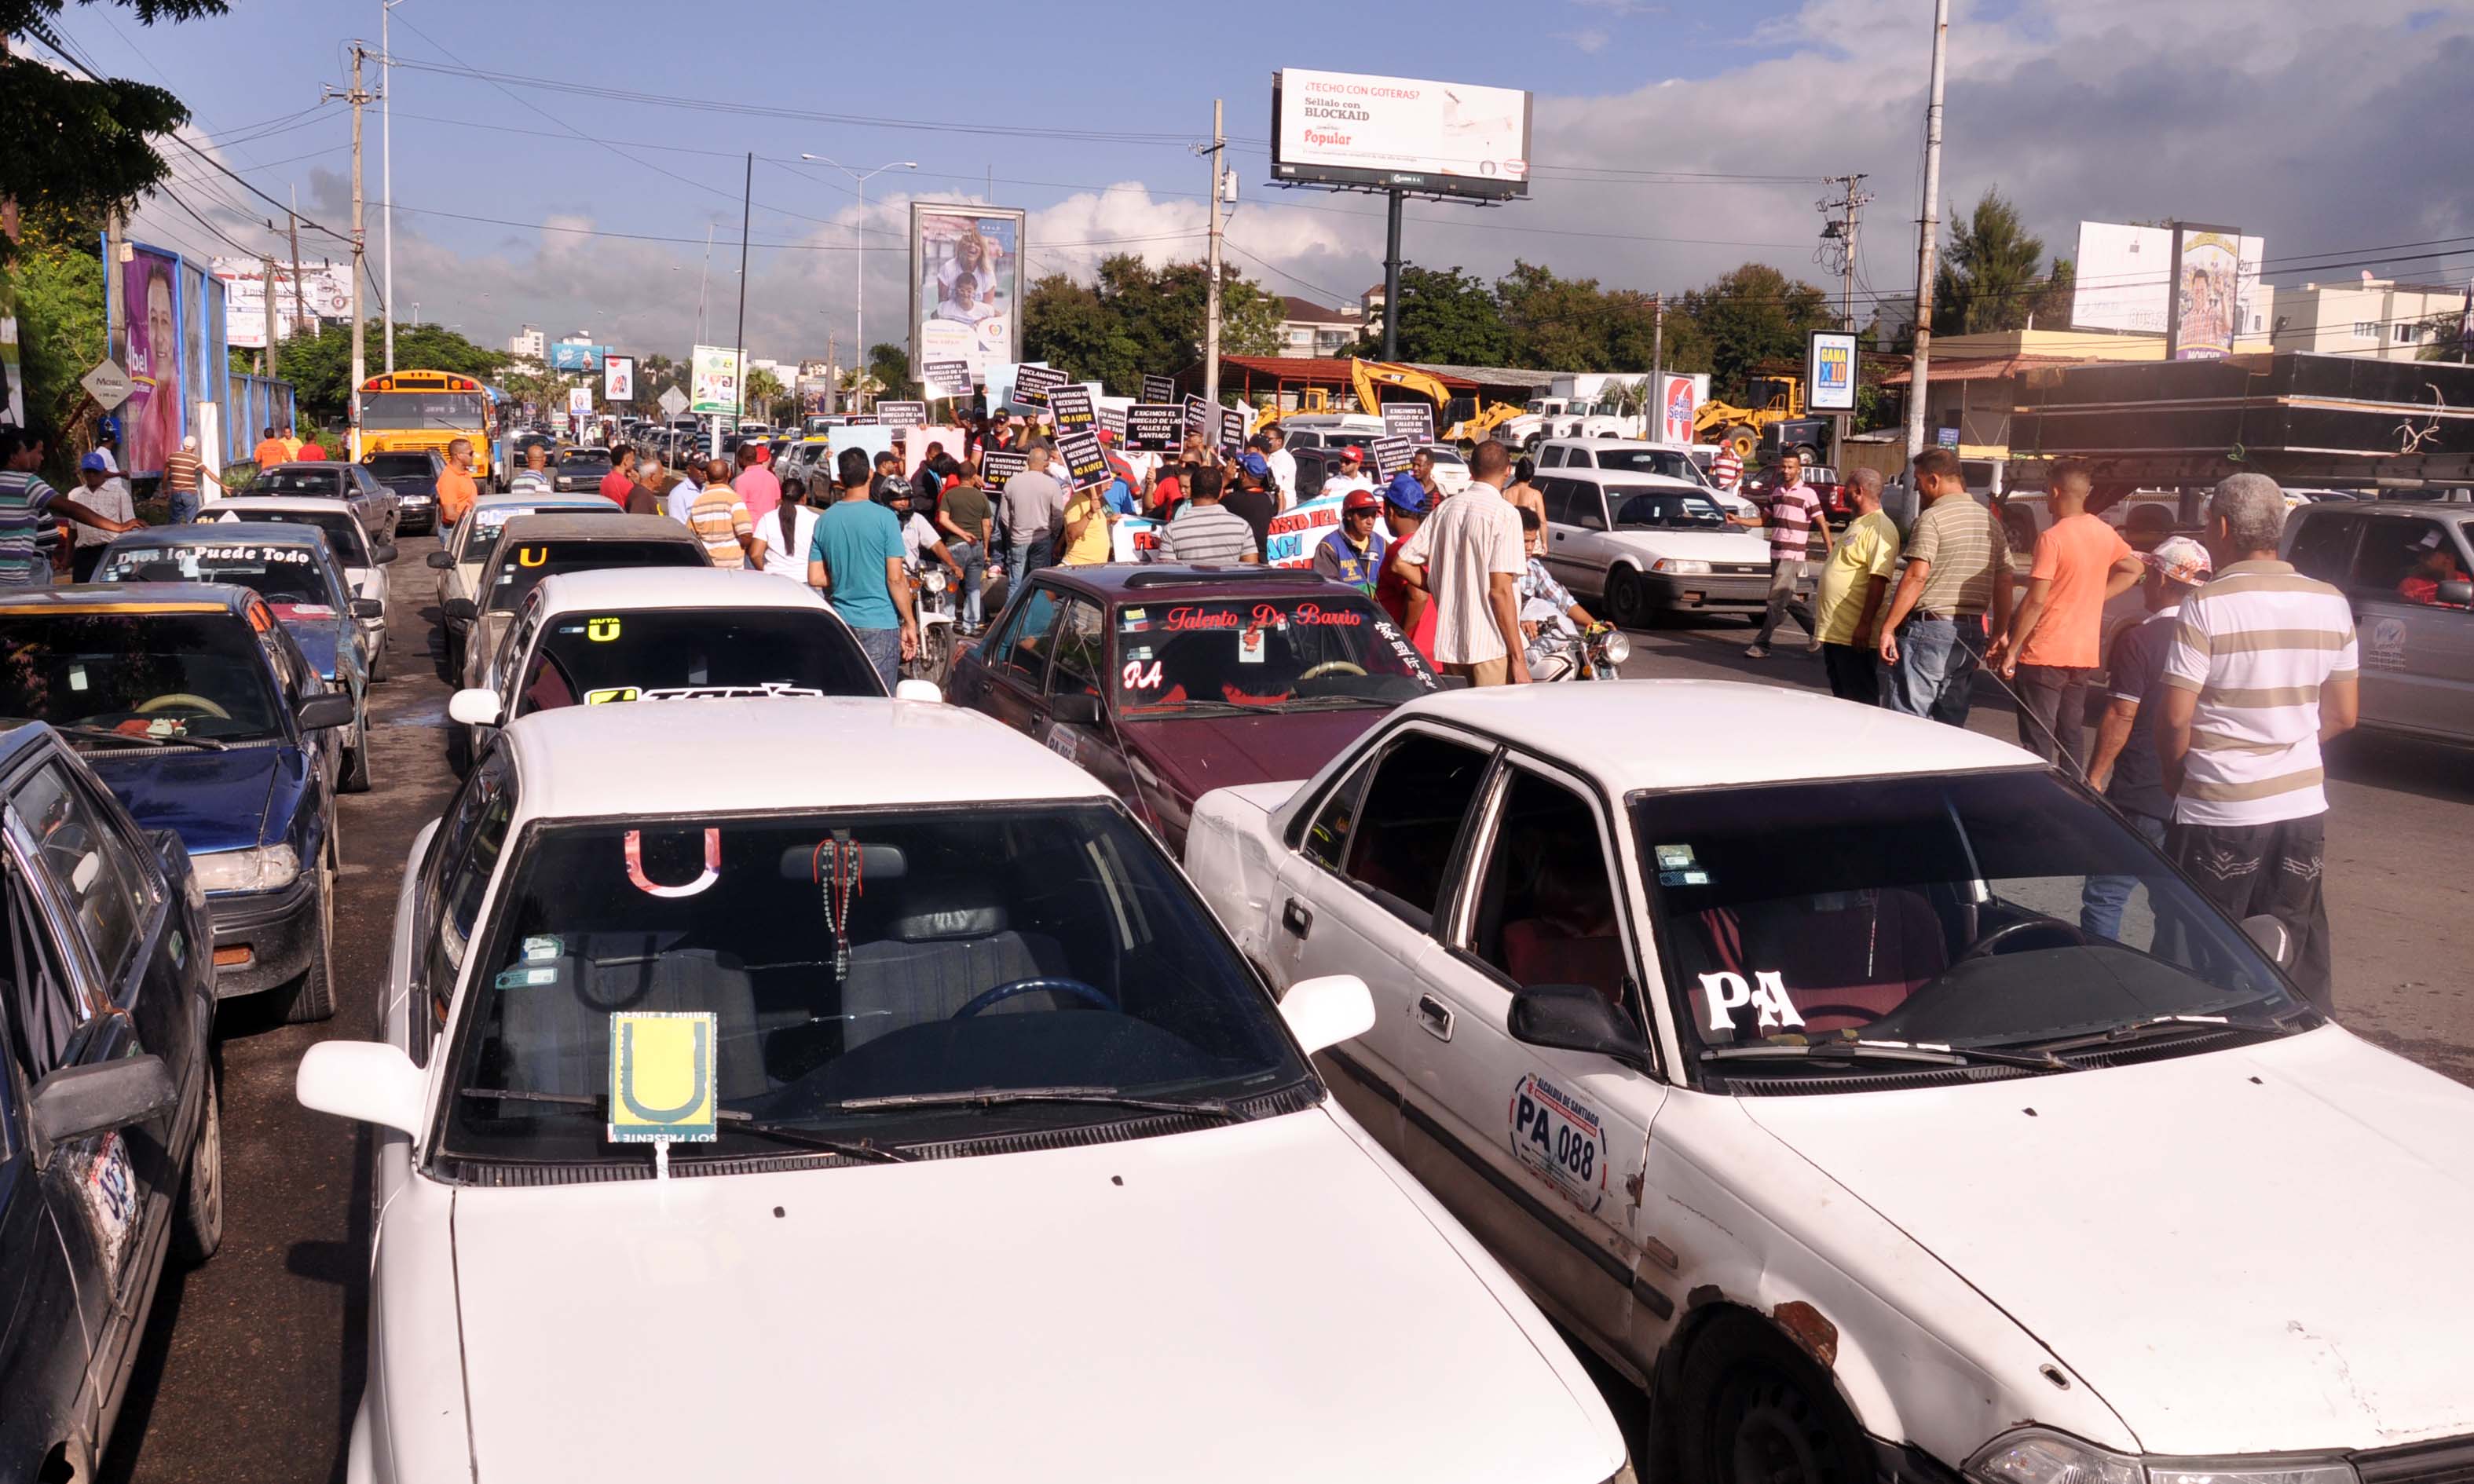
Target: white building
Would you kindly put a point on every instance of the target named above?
(528, 344)
(2375, 317)
(1309, 329)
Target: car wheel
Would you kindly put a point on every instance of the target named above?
(1626, 599)
(313, 997)
(198, 1226)
(356, 757)
(1751, 1408)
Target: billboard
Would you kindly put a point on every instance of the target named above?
(1680, 396)
(713, 381)
(2124, 278)
(2207, 287)
(965, 286)
(150, 420)
(1356, 129)
(577, 358)
(618, 378)
(1830, 371)
(326, 293)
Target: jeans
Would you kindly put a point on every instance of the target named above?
(974, 562)
(884, 650)
(2274, 869)
(1027, 554)
(1782, 580)
(1935, 675)
(185, 505)
(2103, 898)
(1855, 672)
(2053, 713)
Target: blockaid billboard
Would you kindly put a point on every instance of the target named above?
(1355, 128)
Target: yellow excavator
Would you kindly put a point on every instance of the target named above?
(1474, 429)
(1781, 402)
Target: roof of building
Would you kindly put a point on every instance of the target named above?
(635, 589)
(1998, 367)
(659, 759)
(1714, 732)
(1490, 375)
(1308, 311)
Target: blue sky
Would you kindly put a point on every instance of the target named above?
(2270, 113)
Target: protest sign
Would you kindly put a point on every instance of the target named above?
(999, 465)
(1233, 426)
(946, 378)
(1392, 456)
(1031, 385)
(1198, 418)
(1085, 465)
(1412, 421)
(902, 415)
(1295, 532)
(1112, 419)
(1154, 427)
(1160, 388)
(1071, 407)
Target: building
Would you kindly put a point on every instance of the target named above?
(528, 344)
(1309, 329)
(1371, 304)
(1969, 386)
(2377, 318)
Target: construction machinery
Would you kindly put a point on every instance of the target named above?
(1777, 405)
(1477, 428)
(1370, 377)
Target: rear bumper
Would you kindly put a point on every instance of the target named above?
(279, 929)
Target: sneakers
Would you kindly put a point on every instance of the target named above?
(1757, 651)
(1813, 648)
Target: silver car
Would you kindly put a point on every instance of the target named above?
(2404, 565)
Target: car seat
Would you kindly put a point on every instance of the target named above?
(946, 944)
(1847, 958)
(556, 1036)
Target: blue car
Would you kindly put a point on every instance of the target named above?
(198, 709)
(292, 567)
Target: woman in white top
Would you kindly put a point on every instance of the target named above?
(787, 557)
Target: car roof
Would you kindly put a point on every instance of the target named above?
(546, 501)
(1711, 733)
(330, 465)
(1626, 476)
(633, 589)
(266, 533)
(569, 526)
(299, 504)
(133, 597)
(659, 758)
(2399, 510)
(1135, 583)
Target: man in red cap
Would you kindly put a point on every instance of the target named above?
(1351, 476)
(1353, 553)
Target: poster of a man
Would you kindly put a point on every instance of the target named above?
(2210, 297)
(968, 285)
(151, 417)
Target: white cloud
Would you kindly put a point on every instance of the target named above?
(1591, 40)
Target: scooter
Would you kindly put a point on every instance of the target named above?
(934, 601)
(1562, 650)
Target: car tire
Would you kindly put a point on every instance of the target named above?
(198, 1224)
(356, 757)
(1751, 1408)
(313, 996)
(1626, 599)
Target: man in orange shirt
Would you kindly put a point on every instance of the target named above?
(2053, 644)
(456, 489)
(270, 450)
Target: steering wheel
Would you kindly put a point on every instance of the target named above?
(1333, 667)
(2000, 939)
(183, 699)
(1060, 983)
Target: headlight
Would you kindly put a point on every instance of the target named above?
(935, 579)
(1681, 567)
(1614, 648)
(2036, 1455)
(260, 869)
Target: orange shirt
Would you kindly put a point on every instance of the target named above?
(455, 494)
(270, 452)
(2075, 553)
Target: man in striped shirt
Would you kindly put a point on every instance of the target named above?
(1205, 532)
(1726, 469)
(1793, 509)
(31, 511)
(2263, 669)
(720, 519)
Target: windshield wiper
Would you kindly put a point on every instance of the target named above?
(1311, 702)
(1170, 710)
(1215, 1109)
(2137, 1030)
(1926, 1053)
(107, 735)
(737, 1122)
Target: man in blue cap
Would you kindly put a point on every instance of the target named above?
(1404, 509)
(1251, 498)
(101, 492)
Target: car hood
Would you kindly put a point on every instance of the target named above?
(1196, 755)
(2242, 1252)
(1255, 1302)
(1737, 545)
(212, 800)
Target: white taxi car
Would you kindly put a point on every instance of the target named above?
(825, 1120)
(1759, 1034)
(1640, 544)
(363, 557)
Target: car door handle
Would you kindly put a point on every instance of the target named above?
(1559, 536)
(1295, 916)
(1432, 1014)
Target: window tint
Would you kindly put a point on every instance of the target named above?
(1589, 503)
(1409, 822)
(469, 841)
(2324, 547)
(1023, 647)
(1325, 837)
(1552, 458)
(44, 1010)
(1081, 646)
(1556, 498)
(1546, 901)
(2394, 550)
(88, 863)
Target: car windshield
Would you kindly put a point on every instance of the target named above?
(1671, 462)
(290, 578)
(584, 461)
(199, 675)
(341, 527)
(389, 466)
(1262, 654)
(522, 571)
(845, 969)
(1668, 510)
(438, 411)
(1942, 909)
(588, 659)
(324, 483)
(489, 522)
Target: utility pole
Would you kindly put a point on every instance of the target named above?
(115, 307)
(1657, 353)
(1841, 231)
(739, 383)
(832, 373)
(266, 266)
(1391, 284)
(292, 220)
(356, 96)
(386, 162)
(1928, 234)
(1211, 291)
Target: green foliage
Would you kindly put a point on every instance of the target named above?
(1135, 320)
(889, 366)
(320, 365)
(764, 396)
(1988, 279)
(1752, 317)
(1446, 318)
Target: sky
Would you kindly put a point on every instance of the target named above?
(1670, 143)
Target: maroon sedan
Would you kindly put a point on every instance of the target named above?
(1168, 681)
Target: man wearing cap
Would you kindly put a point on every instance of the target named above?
(1351, 476)
(1251, 501)
(105, 495)
(1353, 553)
(1404, 511)
(182, 471)
(2124, 768)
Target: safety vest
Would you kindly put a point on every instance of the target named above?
(1356, 568)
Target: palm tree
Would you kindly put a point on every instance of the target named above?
(857, 386)
(765, 393)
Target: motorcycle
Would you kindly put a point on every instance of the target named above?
(936, 604)
(1562, 650)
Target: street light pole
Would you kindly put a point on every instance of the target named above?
(859, 304)
(386, 163)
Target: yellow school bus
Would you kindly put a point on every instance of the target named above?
(412, 410)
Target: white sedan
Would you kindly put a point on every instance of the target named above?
(750, 1108)
(1636, 545)
(364, 558)
(1772, 1041)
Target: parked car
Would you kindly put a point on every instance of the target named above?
(1638, 545)
(533, 547)
(111, 1144)
(378, 506)
(293, 568)
(579, 471)
(1686, 462)
(364, 562)
(467, 544)
(2404, 567)
(878, 1017)
(1886, 1071)
(1451, 470)
(1165, 682)
(413, 475)
(200, 714)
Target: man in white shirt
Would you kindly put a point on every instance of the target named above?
(682, 497)
(1468, 555)
(1351, 476)
(1284, 466)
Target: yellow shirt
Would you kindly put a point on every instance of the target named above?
(1868, 548)
(1092, 547)
(292, 447)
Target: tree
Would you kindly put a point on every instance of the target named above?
(889, 366)
(1446, 318)
(765, 393)
(1987, 279)
(1752, 317)
(56, 284)
(1556, 324)
(1135, 320)
(320, 365)
(75, 143)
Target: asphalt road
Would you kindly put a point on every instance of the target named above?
(259, 1354)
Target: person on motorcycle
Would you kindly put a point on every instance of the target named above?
(1547, 608)
(1353, 553)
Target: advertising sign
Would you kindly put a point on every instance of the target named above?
(1086, 464)
(1392, 456)
(2124, 278)
(713, 380)
(999, 465)
(1830, 371)
(1679, 407)
(1354, 128)
(577, 358)
(946, 378)
(1031, 385)
(151, 419)
(1160, 388)
(902, 415)
(618, 378)
(1071, 407)
(1412, 421)
(1295, 532)
(326, 293)
(1154, 427)
(579, 400)
(2207, 287)
(966, 285)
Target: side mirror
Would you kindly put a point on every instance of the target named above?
(76, 1101)
(2457, 594)
(2271, 937)
(368, 608)
(475, 708)
(384, 552)
(441, 560)
(917, 690)
(319, 712)
(460, 611)
(1078, 709)
(365, 1079)
(1574, 1018)
(1323, 1012)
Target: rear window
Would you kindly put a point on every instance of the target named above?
(400, 466)
(662, 654)
(321, 482)
(291, 578)
(522, 568)
(340, 526)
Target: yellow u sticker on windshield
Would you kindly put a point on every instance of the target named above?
(531, 556)
(602, 630)
(662, 1076)
(614, 693)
